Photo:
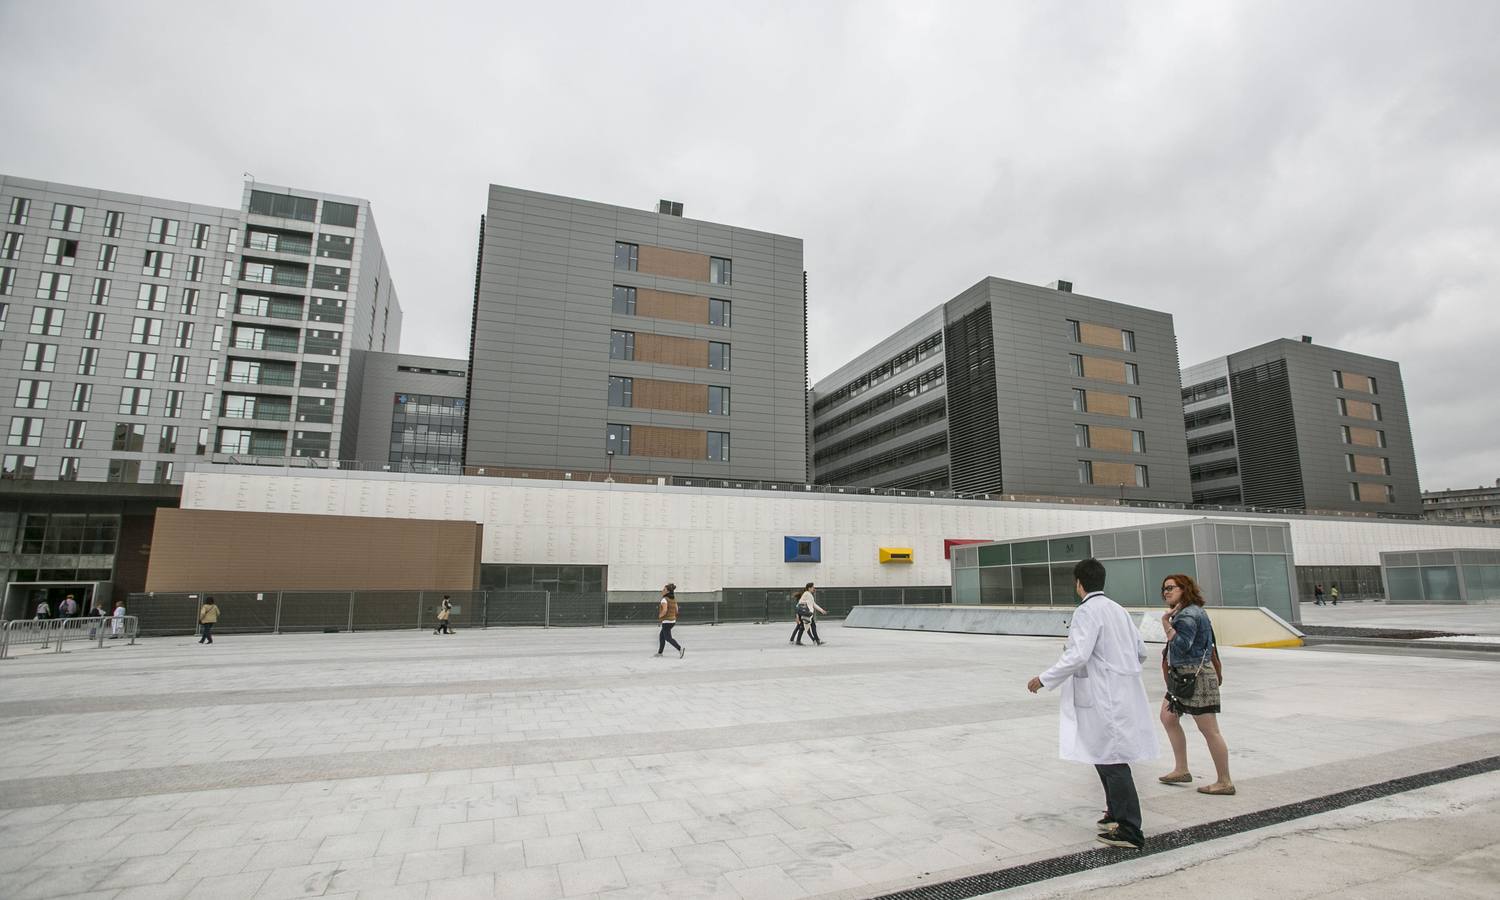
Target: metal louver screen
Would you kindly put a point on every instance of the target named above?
(973, 408)
(1264, 431)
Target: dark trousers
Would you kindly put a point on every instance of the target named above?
(666, 638)
(208, 633)
(812, 629)
(799, 630)
(442, 627)
(1121, 803)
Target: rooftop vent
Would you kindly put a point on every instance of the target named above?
(1064, 286)
(1307, 339)
(669, 207)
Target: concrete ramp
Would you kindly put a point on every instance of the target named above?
(1233, 626)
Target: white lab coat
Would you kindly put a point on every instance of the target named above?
(117, 626)
(1104, 717)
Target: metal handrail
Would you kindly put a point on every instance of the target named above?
(55, 632)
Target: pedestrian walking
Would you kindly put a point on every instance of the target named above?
(806, 608)
(666, 614)
(1104, 718)
(68, 608)
(1318, 594)
(98, 614)
(445, 611)
(1193, 672)
(43, 611)
(117, 625)
(1333, 593)
(208, 617)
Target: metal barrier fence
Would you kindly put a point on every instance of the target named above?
(53, 633)
(277, 612)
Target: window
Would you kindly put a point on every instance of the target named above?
(125, 471)
(25, 431)
(1132, 373)
(39, 358)
(67, 218)
(195, 268)
(718, 355)
(168, 441)
(228, 275)
(67, 470)
(1081, 436)
(93, 326)
(157, 264)
(99, 294)
(621, 391)
(1354, 491)
(720, 271)
(1127, 340)
(330, 278)
(130, 437)
(621, 345)
(1142, 477)
(1073, 333)
(1080, 400)
(718, 400)
(627, 256)
(162, 231)
(1375, 411)
(107, 255)
(1390, 493)
(718, 445)
(83, 397)
(135, 401)
(60, 252)
(718, 312)
(184, 337)
(179, 370)
(145, 331)
(1138, 442)
(283, 206)
(47, 321)
(1374, 386)
(4, 314)
(1135, 407)
(112, 222)
(223, 309)
(1343, 407)
(20, 467)
(141, 366)
(189, 305)
(20, 211)
(88, 361)
(32, 394)
(335, 246)
(1075, 364)
(624, 301)
(617, 439)
(200, 236)
(164, 472)
(7, 281)
(11, 249)
(73, 440)
(172, 407)
(208, 407)
(202, 447)
(342, 214)
(52, 286)
(212, 375)
(1085, 472)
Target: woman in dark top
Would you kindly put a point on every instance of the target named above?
(1190, 649)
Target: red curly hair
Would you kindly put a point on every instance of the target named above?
(1190, 592)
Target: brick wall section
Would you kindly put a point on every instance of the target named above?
(219, 550)
(1108, 404)
(1104, 369)
(1100, 336)
(672, 263)
(670, 395)
(1364, 437)
(1115, 440)
(668, 443)
(1113, 472)
(670, 305)
(672, 351)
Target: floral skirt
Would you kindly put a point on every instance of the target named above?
(1205, 698)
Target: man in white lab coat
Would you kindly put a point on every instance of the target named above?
(1104, 718)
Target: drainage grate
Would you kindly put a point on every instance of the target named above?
(1058, 866)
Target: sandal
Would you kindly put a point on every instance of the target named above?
(1184, 778)
(1223, 790)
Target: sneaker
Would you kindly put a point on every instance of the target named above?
(1115, 839)
(681, 652)
(1107, 825)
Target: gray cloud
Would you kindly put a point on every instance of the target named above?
(1259, 170)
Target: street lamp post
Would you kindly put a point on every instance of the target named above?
(609, 474)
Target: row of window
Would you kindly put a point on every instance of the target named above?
(1347, 436)
(1086, 474)
(1205, 391)
(57, 285)
(26, 431)
(1081, 403)
(1132, 371)
(918, 418)
(885, 371)
(622, 346)
(1385, 464)
(1081, 439)
(628, 258)
(1351, 382)
(883, 401)
(623, 304)
(1360, 492)
(617, 442)
(899, 457)
(1075, 334)
(126, 471)
(1374, 409)
(622, 394)
(69, 218)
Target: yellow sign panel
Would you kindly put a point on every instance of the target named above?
(896, 555)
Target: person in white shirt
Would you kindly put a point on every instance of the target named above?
(805, 608)
(117, 627)
(1104, 718)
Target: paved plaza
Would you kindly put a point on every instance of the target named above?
(534, 763)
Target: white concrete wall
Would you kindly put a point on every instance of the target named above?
(705, 539)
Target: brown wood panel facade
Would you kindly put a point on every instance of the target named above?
(1100, 336)
(1369, 465)
(1107, 404)
(1113, 472)
(1102, 369)
(225, 550)
(668, 443)
(671, 305)
(1371, 492)
(672, 263)
(1360, 409)
(1115, 440)
(674, 396)
(1364, 437)
(672, 351)
(1354, 381)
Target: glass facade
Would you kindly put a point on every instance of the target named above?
(1441, 576)
(1235, 564)
(427, 434)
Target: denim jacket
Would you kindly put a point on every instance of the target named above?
(1194, 642)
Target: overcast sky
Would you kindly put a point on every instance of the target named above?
(1258, 169)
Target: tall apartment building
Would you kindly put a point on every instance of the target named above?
(1011, 388)
(1289, 424)
(141, 333)
(645, 342)
(411, 411)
